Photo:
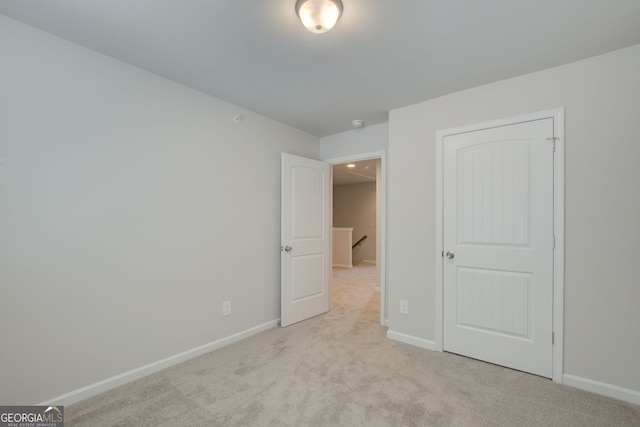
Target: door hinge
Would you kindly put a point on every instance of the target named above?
(442, 254)
(554, 241)
(553, 140)
(553, 337)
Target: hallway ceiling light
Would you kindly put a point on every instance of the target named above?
(319, 16)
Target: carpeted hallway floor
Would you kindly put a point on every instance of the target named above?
(339, 369)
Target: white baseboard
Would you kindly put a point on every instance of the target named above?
(411, 340)
(343, 265)
(609, 390)
(127, 377)
(367, 262)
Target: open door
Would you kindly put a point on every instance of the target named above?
(305, 257)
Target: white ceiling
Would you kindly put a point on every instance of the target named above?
(381, 55)
(363, 171)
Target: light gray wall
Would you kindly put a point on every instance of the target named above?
(127, 216)
(357, 141)
(602, 288)
(354, 205)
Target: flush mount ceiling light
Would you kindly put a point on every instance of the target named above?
(319, 16)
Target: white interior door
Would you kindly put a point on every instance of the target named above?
(498, 245)
(306, 229)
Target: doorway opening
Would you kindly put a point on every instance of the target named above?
(359, 232)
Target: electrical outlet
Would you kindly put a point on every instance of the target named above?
(404, 306)
(226, 308)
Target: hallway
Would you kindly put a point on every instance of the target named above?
(355, 288)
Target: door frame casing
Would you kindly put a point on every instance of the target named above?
(558, 226)
(382, 219)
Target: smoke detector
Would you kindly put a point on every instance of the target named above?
(357, 123)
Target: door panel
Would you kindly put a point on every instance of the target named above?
(498, 227)
(494, 193)
(305, 254)
(305, 280)
(496, 302)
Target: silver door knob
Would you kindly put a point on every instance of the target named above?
(287, 248)
(450, 255)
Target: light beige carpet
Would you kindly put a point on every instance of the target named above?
(338, 369)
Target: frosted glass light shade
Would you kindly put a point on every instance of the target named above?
(319, 16)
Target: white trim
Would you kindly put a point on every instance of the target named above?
(558, 262)
(342, 266)
(356, 157)
(604, 389)
(558, 253)
(439, 270)
(383, 220)
(127, 377)
(411, 340)
(546, 114)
